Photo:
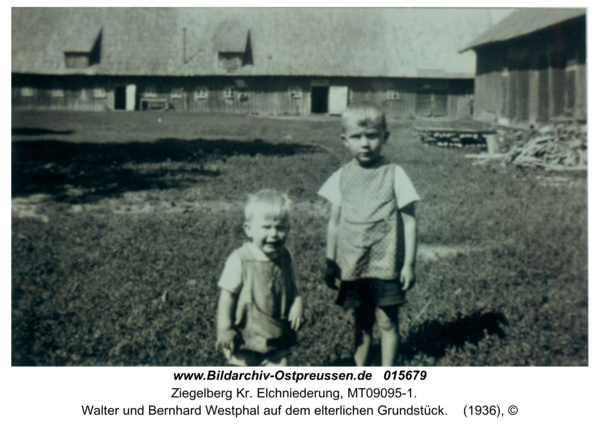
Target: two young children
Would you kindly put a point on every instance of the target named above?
(371, 246)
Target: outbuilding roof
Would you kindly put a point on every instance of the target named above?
(348, 42)
(522, 22)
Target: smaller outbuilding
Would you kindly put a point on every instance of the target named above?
(531, 68)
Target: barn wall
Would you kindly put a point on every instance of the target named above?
(401, 97)
(78, 93)
(443, 97)
(533, 78)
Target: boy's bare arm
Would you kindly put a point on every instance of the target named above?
(225, 332)
(332, 231)
(409, 220)
(333, 270)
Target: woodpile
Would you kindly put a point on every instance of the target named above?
(453, 137)
(557, 146)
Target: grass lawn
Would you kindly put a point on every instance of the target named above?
(122, 223)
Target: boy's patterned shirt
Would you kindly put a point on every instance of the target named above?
(368, 243)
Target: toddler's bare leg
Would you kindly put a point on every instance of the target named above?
(364, 321)
(281, 362)
(240, 358)
(387, 319)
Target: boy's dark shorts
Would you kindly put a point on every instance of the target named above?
(370, 292)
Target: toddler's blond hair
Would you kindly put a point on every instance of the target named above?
(277, 203)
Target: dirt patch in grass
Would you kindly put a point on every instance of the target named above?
(428, 252)
(138, 203)
(27, 207)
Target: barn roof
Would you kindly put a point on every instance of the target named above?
(522, 22)
(284, 41)
(231, 36)
(37, 36)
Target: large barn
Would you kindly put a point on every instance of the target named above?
(245, 61)
(531, 67)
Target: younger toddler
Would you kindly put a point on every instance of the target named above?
(259, 308)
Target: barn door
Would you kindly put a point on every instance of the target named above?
(523, 94)
(424, 103)
(120, 97)
(543, 89)
(338, 99)
(130, 97)
(432, 99)
(439, 103)
(319, 99)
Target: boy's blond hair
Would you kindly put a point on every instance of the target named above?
(364, 113)
(277, 203)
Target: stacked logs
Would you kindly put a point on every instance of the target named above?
(557, 146)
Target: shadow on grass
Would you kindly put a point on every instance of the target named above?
(106, 169)
(433, 338)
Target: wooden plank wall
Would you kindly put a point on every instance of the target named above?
(525, 80)
(251, 95)
(78, 93)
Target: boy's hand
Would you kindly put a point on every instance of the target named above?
(226, 340)
(296, 313)
(407, 277)
(333, 272)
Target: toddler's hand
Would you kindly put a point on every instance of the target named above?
(296, 312)
(333, 272)
(226, 340)
(407, 277)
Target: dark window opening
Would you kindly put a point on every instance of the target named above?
(320, 99)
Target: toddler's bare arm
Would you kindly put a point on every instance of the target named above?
(225, 311)
(407, 275)
(296, 313)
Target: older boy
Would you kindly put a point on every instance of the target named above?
(371, 236)
(259, 307)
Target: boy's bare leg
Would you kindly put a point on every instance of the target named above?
(362, 350)
(387, 319)
(365, 319)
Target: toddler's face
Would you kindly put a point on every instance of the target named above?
(364, 142)
(267, 233)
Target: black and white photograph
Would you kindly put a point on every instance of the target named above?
(310, 187)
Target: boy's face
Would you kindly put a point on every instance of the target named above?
(364, 142)
(266, 233)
